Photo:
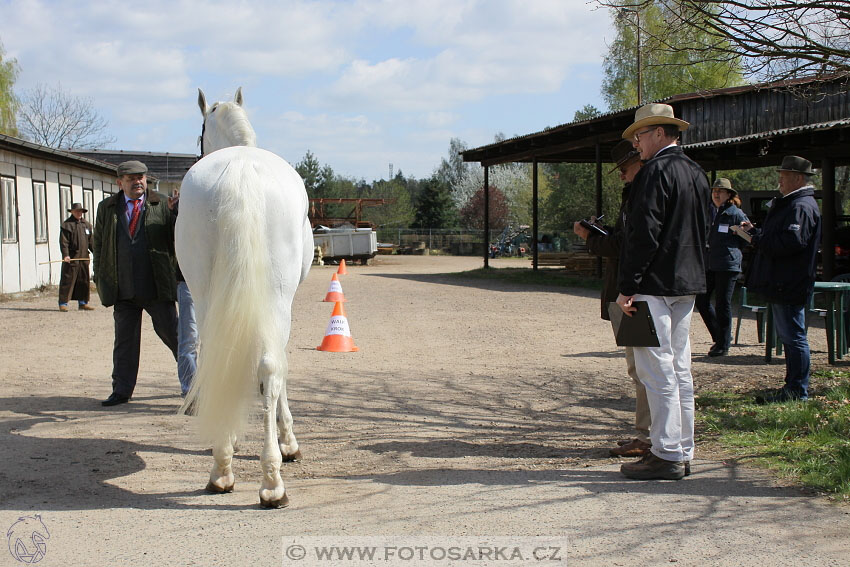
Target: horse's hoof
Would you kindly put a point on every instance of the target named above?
(213, 489)
(281, 502)
(293, 458)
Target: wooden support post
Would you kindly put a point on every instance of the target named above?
(828, 212)
(598, 199)
(486, 216)
(534, 227)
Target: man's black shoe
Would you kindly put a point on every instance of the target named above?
(114, 400)
(651, 467)
(717, 350)
(779, 396)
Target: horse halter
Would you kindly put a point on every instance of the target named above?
(204, 129)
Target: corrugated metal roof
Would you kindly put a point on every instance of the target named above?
(31, 148)
(761, 135)
(726, 91)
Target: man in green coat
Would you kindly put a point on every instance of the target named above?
(134, 268)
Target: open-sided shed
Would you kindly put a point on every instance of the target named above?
(732, 128)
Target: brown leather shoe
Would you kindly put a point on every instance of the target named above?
(86, 307)
(63, 308)
(651, 467)
(634, 448)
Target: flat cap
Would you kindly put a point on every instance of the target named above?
(131, 168)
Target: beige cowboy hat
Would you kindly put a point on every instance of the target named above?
(654, 114)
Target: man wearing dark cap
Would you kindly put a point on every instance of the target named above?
(75, 241)
(662, 262)
(627, 160)
(784, 269)
(134, 266)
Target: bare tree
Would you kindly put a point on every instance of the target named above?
(775, 39)
(51, 117)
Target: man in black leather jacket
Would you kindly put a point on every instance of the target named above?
(662, 262)
(784, 269)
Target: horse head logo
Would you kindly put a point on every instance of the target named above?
(28, 539)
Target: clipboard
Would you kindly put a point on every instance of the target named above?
(635, 331)
(593, 228)
(741, 232)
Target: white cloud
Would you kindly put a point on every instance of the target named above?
(364, 80)
(477, 49)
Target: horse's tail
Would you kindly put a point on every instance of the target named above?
(238, 325)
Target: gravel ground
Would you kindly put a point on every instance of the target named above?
(472, 410)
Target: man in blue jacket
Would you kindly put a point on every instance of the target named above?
(662, 262)
(784, 269)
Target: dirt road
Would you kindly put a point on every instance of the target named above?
(471, 409)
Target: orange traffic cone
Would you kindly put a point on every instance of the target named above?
(342, 271)
(334, 291)
(338, 336)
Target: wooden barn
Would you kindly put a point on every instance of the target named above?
(166, 170)
(37, 186)
(732, 128)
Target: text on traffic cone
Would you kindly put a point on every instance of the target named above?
(338, 336)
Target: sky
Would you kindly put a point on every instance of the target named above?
(361, 84)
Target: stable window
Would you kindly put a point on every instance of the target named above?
(8, 210)
(39, 201)
(64, 201)
(88, 204)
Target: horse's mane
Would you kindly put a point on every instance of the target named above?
(234, 124)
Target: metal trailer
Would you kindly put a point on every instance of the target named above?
(347, 244)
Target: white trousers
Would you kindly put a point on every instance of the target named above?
(665, 371)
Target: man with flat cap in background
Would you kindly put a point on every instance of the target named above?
(784, 269)
(75, 241)
(627, 160)
(134, 266)
(662, 262)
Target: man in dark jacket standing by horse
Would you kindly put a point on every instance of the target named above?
(662, 262)
(75, 241)
(627, 160)
(784, 269)
(134, 265)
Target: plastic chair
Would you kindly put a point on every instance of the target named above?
(845, 316)
(759, 310)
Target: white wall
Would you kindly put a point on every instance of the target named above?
(21, 267)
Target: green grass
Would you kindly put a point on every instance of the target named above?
(527, 276)
(808, 442)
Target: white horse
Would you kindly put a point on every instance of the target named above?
(244, 244)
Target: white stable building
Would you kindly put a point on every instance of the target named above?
(37, 187)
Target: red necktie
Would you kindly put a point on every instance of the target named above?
(134, 219)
